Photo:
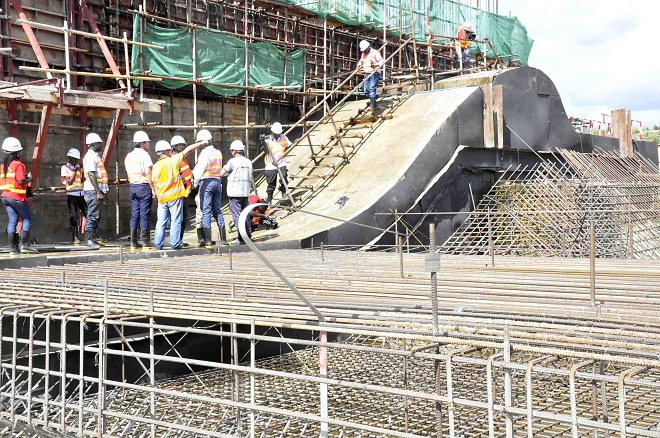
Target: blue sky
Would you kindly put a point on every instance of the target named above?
(601, 55)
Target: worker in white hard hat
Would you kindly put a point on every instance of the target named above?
(170, 191)
(14, 184)
(239, 184)
(275, 147)
(72, 178)
(206, 174)
(369, 65)
(138, 166)
(462, 43)
(178, 144)
(95, 187)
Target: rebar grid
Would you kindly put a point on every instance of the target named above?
(58, 325)
(548, 209)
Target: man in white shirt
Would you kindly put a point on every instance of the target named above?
(94, 188)
(138, 166)
(275, 161)
(239, 184)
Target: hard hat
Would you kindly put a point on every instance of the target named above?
(237, 145)
(162, 146)
(11, 144)
(204, 135)
(93, 138)
(140, 137)
(364, 45)
(276, 128)
(468, 26)
(177, 139)
(73, 153)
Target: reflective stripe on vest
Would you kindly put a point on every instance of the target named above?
(8, 181)
(369, 63)
(133, 164)
(215, 165)
(101, 173)
(167, 183)
(77, 184)
(186, 173)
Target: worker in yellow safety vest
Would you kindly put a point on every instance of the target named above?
(138, 166)
(170, 192)
(275, 163)
(71, 176)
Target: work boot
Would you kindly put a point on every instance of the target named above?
(200, 237)
(145, 239)
(134, 239)
(98, 239)
(90, 242)
(223, 236)
(269, 200)
(374, 104)
(74, 236)
(207, 237)
(24, 246)
(12, 242)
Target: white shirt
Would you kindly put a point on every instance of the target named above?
(239, 177)
(202, 163)
(269, 157)
(90, 164)
(144, 158)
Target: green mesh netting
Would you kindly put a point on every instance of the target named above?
(508, 35)
(220, 60)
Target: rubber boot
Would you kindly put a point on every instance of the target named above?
(12, 242)
(134, 239)
(200, 237)
(74, 236)
(90, 242)
(269, 200)
(207, 237)
(223, 236)
(145, 239)
(374, 104)
(25, 244)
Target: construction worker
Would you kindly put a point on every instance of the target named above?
(72, 178)
(239, 184)
(178, 145)
(463, 37)
(138, 166)
(170, 191)
(95, 187)
(207, 175)
(259, 215)
(14, 184)
(370, 62)
(275, 160)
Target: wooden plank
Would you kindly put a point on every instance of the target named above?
(621, 129)
(489, 127)
(498, 108)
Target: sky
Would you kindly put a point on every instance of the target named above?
(601, 55)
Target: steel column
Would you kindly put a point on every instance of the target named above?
(40, 141)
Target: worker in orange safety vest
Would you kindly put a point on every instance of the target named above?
(463, 37)
(178, 144)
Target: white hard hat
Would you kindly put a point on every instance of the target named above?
(237, 145)
(177, 139)
(276, 128)
(140, 137)
(364, 45)
(93, 138)
(203, 135)
(11, 144)
(73, 153)
(162, 145)
(468, 26)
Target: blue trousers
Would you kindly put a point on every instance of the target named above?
(236, 206)
(93, 211)
(141, 200)
(371, 85)
(210, 194)
(169, 210)
(14, 210)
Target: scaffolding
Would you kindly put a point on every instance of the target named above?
(551, 208)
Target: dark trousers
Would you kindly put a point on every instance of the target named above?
(271, 180)
(76, 204)
(184, 222)
(141, 200)
(236, 205)
(93, 211)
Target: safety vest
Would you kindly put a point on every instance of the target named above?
(8, 180)
(77, 184)
(133, 164)
(369, 62)
(168, 183)
(186, 173)
(462, 38)
(101, 173)
(276, 149)
(215, 164)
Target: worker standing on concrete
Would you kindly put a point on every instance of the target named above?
(239, 184)
(275, 149)
(178, 144)
(207, 175)
(170, 191)
(463, 37)
(94, 188)
(14, 184)
(370, 62)
(138, 167)
(72, 178)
